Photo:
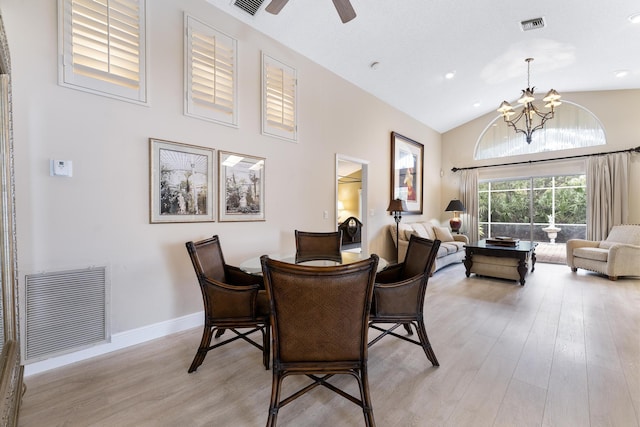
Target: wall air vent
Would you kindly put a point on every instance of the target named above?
(65, 311)
(532, 24)
(249, 6)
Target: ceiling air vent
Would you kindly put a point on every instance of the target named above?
(249, 6)
(532, 24)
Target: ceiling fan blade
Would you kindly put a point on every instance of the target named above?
(345, 10)
(276, 6)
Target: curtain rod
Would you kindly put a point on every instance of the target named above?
(628, 150)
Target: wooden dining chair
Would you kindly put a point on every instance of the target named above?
(318, 245)
(319, 319)
(233, 300)
(399, 295)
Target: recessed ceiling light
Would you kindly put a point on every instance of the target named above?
(476, 104)
(635, 18)
(621, 73)
(450, 75)
(374, 65)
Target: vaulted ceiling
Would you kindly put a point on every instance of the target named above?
(583, 46)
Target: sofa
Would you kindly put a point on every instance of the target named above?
(451, 247)
(617, 255)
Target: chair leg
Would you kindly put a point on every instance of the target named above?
(274, 405)
(407, 327)
(266, 345)
(220, 332)
(426, 345)
(366, 398)
(202, 349)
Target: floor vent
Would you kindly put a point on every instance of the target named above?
(65, 311)
(532, 24)
(249, 6)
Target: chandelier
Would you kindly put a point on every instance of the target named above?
(534, 119)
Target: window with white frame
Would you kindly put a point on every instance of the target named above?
(210, 61)
(279, 91)
(572, 126)
(103, 47)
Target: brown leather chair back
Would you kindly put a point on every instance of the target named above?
(208, 261)
(420, 256)
(318, 245)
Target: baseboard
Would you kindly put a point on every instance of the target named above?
(119, 341)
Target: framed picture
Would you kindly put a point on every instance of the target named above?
(240, 187)
(182, 188)
(407, 157)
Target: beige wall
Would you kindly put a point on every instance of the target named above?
(618, 112)
(100, 216)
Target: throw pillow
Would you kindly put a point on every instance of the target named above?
(443, 234)
(419, 230)
(405, 231)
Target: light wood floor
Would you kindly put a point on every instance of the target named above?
(564, 350)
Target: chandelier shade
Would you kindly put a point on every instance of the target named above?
(531, 118)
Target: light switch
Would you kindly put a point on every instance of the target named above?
(325, 214)
(61, 168)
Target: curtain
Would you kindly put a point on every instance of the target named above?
(607, 193)
(469, 198)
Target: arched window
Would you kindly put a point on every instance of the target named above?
(573, 126)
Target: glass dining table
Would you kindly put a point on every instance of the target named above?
(252, 265)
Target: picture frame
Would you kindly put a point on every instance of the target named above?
(407, 160)
(241, 185)
(181, 178)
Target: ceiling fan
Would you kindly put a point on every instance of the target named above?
(344, 8)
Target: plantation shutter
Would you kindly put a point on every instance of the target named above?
(211, 74)
(279, 99)
(103, 44)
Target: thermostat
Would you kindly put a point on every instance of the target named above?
(61, 168)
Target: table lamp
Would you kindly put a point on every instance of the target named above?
(456, 207)
(396, 207)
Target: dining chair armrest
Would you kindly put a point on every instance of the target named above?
(230, 301)
(390, 274)
(236, 275)
(397, 298)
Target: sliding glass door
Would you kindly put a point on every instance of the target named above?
(541, 209)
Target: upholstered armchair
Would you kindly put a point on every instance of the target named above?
(617, 255)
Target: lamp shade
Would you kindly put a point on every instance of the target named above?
(397, 205)
(455, 205)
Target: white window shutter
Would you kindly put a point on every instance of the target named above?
(211, 70)
(279, 99)
(103, 44)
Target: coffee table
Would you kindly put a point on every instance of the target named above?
(508, 260)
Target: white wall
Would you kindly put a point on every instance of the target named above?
(101, 215)
(618, 112)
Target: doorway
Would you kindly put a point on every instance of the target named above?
(351, 197)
